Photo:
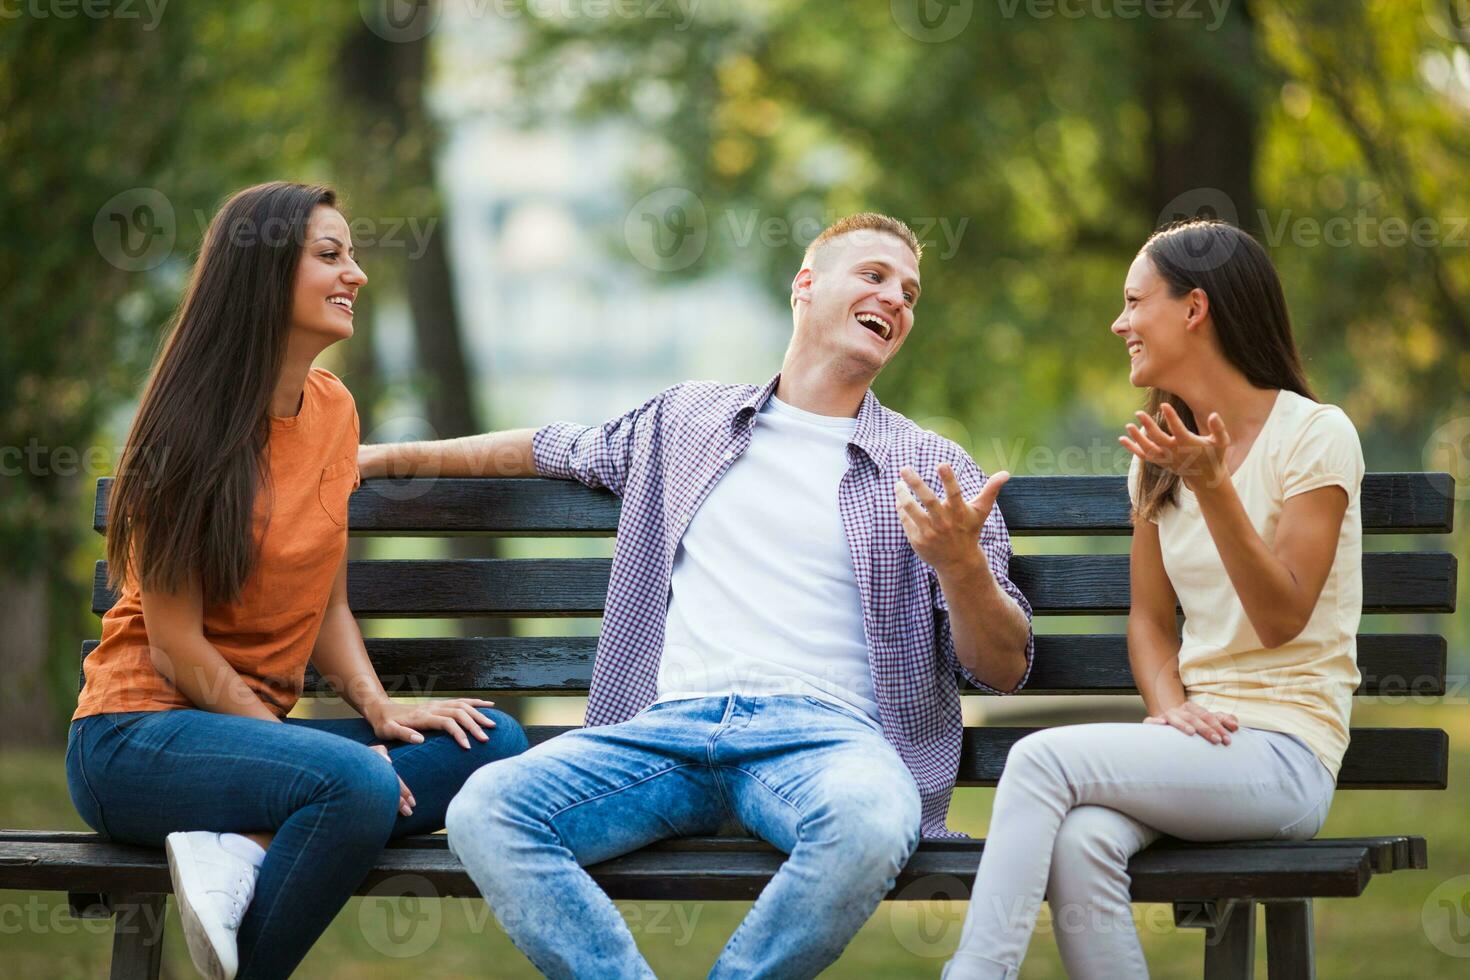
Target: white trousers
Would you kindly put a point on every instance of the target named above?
(1077, 801)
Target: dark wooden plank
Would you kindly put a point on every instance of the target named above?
(1289, 947)
(1391, 502)
(680, 870)
(1376, 758)
(1385, 853)
(1391, 664)
(137, 936)
(1055, 585)
(1230, 947)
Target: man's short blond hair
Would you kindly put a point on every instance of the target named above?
(865, 221)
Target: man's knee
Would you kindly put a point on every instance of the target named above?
(876, 822)
(481, 807)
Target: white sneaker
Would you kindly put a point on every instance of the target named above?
(213, 886)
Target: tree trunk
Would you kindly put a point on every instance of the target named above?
(387, 79)
(26, 703)
(1203, 97)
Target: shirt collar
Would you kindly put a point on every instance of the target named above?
(871, 435)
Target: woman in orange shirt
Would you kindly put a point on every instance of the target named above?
(227, 543)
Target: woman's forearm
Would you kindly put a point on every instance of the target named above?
(342, 659)
(488, 454)
(1153, 656)
(1268, 591)
(206, 678)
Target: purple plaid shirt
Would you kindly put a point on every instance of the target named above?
(663, 459)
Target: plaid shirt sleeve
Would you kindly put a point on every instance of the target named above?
(597, 456)
(995, 541)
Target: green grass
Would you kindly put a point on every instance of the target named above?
(1381, 934)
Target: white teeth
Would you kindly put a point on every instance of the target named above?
(342, 301)
(877, 321)
(1135, 349)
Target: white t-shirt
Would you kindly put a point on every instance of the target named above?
(1303, 687)
(764, 599)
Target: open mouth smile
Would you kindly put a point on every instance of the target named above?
(876, 323)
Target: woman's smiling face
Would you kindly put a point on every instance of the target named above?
(328, 277)
(1153, 325)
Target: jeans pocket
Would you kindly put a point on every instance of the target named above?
(850, 714)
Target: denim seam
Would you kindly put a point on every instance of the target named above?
(266, 921)
(769, 789)
(709, 756)
(618, 789)
(87, 785)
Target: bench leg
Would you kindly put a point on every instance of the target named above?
(1289, 953)
(137, 936)
(1230, 946)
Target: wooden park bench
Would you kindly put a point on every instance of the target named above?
(1215, 887)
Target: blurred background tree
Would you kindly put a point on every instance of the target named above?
(118, 144)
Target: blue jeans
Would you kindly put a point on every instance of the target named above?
(814, 780)
(331, 801)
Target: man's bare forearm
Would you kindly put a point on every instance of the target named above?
(989, 628)
(505, 453)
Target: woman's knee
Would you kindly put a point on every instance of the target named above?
(366, 785)
(507, 737)
(1093, 836)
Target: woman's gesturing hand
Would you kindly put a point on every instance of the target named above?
(406, 802)
(1191, 719)
(1199, 460)
(406, 722)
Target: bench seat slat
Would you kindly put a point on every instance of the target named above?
(1055, 585)
(1391, 502)
(737, 868)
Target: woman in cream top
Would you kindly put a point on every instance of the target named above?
(1246, 515)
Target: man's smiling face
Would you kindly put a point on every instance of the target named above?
(855, 302)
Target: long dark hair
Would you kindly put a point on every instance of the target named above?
(183, 502)
(1248, 309)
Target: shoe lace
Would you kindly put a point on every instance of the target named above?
(237, 898)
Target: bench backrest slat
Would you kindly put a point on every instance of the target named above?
(1033, 505)
(1392, 665)
(534, 587)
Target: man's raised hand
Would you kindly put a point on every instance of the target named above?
(944, 533)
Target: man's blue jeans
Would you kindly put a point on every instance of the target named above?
(331, 801)
(817, 781)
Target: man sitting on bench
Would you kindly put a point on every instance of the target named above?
(789, 609)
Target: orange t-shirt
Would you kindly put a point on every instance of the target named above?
(301, 530)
